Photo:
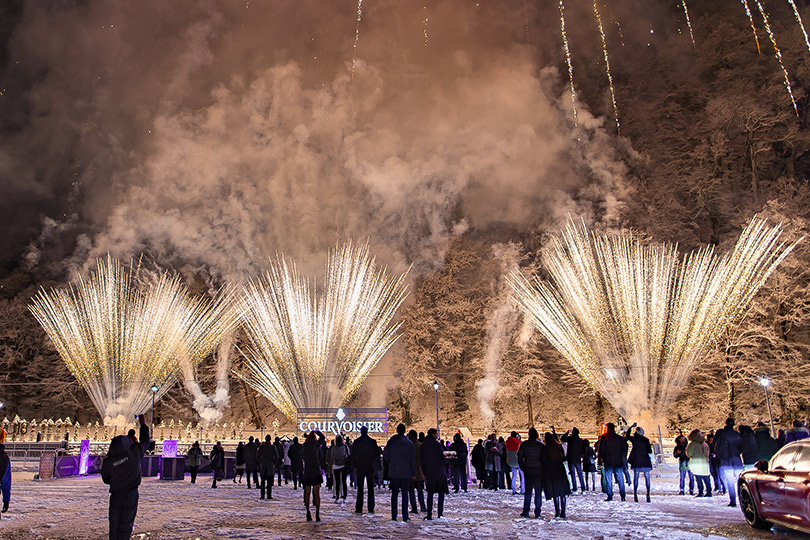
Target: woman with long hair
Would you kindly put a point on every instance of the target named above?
(312, 478)
(555, 478)
(340, 468)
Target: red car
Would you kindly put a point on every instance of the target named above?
(778, 492)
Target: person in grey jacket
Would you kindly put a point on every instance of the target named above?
(400, 455)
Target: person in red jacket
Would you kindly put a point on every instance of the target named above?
(512, 447)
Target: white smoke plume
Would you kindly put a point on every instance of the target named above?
(211, 408)
(500, 327)
(211, 135)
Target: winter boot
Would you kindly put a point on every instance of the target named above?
(317, 514)
(309, 516)
(562, 507)
(556, 507)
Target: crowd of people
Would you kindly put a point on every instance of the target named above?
(419, 468)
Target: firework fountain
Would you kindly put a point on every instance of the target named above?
(119, 339)
(633, 319)
(304, 351)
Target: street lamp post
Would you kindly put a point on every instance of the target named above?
(152, 420)
(766, 382)
(436, 388)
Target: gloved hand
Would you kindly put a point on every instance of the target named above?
(5, 508)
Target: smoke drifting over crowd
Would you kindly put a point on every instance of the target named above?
(210, 135)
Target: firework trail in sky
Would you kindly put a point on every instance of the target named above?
(357, 34)
(751, 20)
(607, 66)
(568, 61)
(801, 24)
(688, 22)
(778, 54)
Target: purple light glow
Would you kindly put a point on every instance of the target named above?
(84, 456)
(169, 449)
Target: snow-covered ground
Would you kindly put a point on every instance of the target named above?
(77, 508)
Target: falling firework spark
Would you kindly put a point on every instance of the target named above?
(526, 18)
(778, 54)
(357, 34)
(308, 352)
(632, 319)
(118, 340)
(801, 24)
(425, 23)
(688, 22)
(751, 20)
(607, 66)
(568, 61)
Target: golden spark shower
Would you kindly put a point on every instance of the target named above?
(119, 339)
(634, 319)
(308, 350)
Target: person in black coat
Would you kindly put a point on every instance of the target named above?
(366, 456)
(589, 464)
(555, 479)
(433, 466)
(400, 456)
(459, 463)
(714, 464)
(750, 450)
(144, 435)
(121, 469)
(314, 464)
(251, 462)
(728, 447)
(613, 452)
(477, 461)
(573, 457)
(267, 463)
(296, 462)
(530, 461)
(639, 459)
(217, 458)
(766, 444)
(280, 462)
(240, 462)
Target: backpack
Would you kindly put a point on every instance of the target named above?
(340, 455)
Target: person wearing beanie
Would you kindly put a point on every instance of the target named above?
(5, 472)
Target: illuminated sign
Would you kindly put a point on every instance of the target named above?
(84, 456)
(340, 421)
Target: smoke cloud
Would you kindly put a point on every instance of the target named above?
(210, 135)
(500, 327)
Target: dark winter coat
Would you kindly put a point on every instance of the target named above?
(279, 453)
(417, 448)
(460, 448)
(217, 457)
(143, 436)
(612, 450)
(555, 478)
(492, 454)
(589, 460)
(766, 444)
(530, 458)
(433, 465)
(575, 448)
(366, 454)
(240, 455)
(5, 475)
(680, 450)
(728, 447)
(296, 460)
(477, 456)
(251, 458)
(194, 455)
(121, 468)
(400, 456)
(267, 458)
(313, 459)
(640, 454)
(796, 434)
(750, 450)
